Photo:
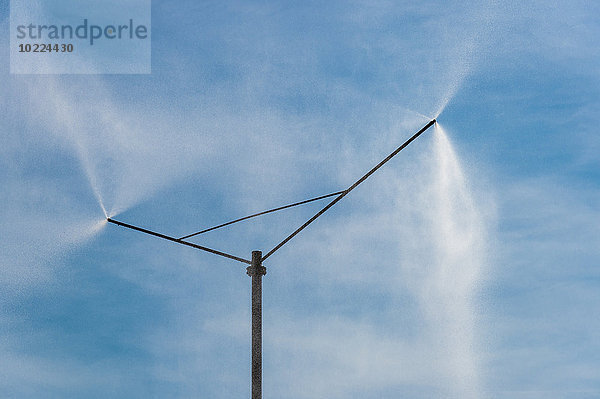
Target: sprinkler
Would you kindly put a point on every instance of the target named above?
(256, 270)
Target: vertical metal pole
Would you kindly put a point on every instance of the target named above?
(256, 271)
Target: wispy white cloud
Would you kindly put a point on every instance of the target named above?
(543, 300)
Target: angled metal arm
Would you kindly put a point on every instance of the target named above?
(352, 187)
(262, 213)
(179, 241)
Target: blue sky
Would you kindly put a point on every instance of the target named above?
(463, 269)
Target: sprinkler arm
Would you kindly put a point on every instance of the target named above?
(338, 196)
(352, 187)
(179, 241)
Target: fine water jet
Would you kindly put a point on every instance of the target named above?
(449, 289)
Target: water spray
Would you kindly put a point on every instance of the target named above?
(256, 269)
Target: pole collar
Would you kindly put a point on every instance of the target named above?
(256, 271)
